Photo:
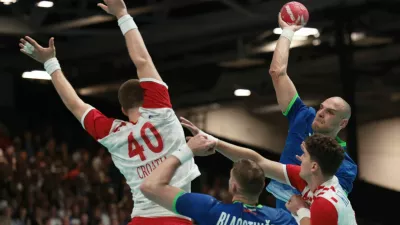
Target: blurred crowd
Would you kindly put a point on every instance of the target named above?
(45, 182)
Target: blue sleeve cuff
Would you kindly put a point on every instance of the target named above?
(175, 200)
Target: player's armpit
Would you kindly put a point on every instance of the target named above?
(323, 212)
(79, 109)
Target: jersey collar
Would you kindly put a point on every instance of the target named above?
(247, 205)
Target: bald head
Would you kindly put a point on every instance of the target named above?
(342, 106)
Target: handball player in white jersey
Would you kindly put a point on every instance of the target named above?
(153, 131)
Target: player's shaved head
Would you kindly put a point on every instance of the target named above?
(343, 107)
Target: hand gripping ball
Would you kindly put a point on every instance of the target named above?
(294, 13)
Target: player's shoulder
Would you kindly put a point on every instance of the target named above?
(153, 81)
(157, 113)
(120, 125)
(334, 195)
(302, 113)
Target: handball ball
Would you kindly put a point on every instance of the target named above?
(294, 13)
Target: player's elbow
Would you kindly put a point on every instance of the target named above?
(147, 188)
(276, 71)
(141, 61)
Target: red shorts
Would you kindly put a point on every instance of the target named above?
(166, 220)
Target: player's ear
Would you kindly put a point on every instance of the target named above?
(314, 167)
(344, 123)
(234, 188)
(123, 111)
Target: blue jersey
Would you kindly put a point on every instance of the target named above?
(300, 119)
(206, 210)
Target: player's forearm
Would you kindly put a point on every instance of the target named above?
(137, 48)
(156, 186)
(271, 169)
(236, 153)
(163, 174)
(67, 93)
(280, 58)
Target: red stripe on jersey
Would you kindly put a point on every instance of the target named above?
(306, 194)
(320, 188)
(166, 220)
(119, 127)
(321, 193)
(155, 95)
(333, 188)
(334, 199)
(323, 212)
(293, 172)
(97, 124)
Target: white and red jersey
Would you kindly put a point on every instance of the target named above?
(329, 203)
(138, 148)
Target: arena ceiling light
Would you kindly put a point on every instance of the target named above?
(8, 2)
(303, 32)
(45, 4)
(36, 74)
(242, 92)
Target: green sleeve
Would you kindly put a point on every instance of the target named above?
(290, 104)
(176, 199)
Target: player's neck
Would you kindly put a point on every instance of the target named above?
(245, 200)
(332, 134)
(134, 115)
(317, 181)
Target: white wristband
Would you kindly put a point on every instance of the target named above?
(126, 24)
(183, 154)
(52, 65)
(287, 33)
(303, 212)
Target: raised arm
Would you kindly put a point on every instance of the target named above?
(156, 186)
(283, 85)
(134, 41)
(47, 56)
(273, 170)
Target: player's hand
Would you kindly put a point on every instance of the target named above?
(283, 24)
(190, 126)
(32, 49)
(295, 203)
(201, 146)
(116, 8)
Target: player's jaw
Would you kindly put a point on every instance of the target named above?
(322, 125)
